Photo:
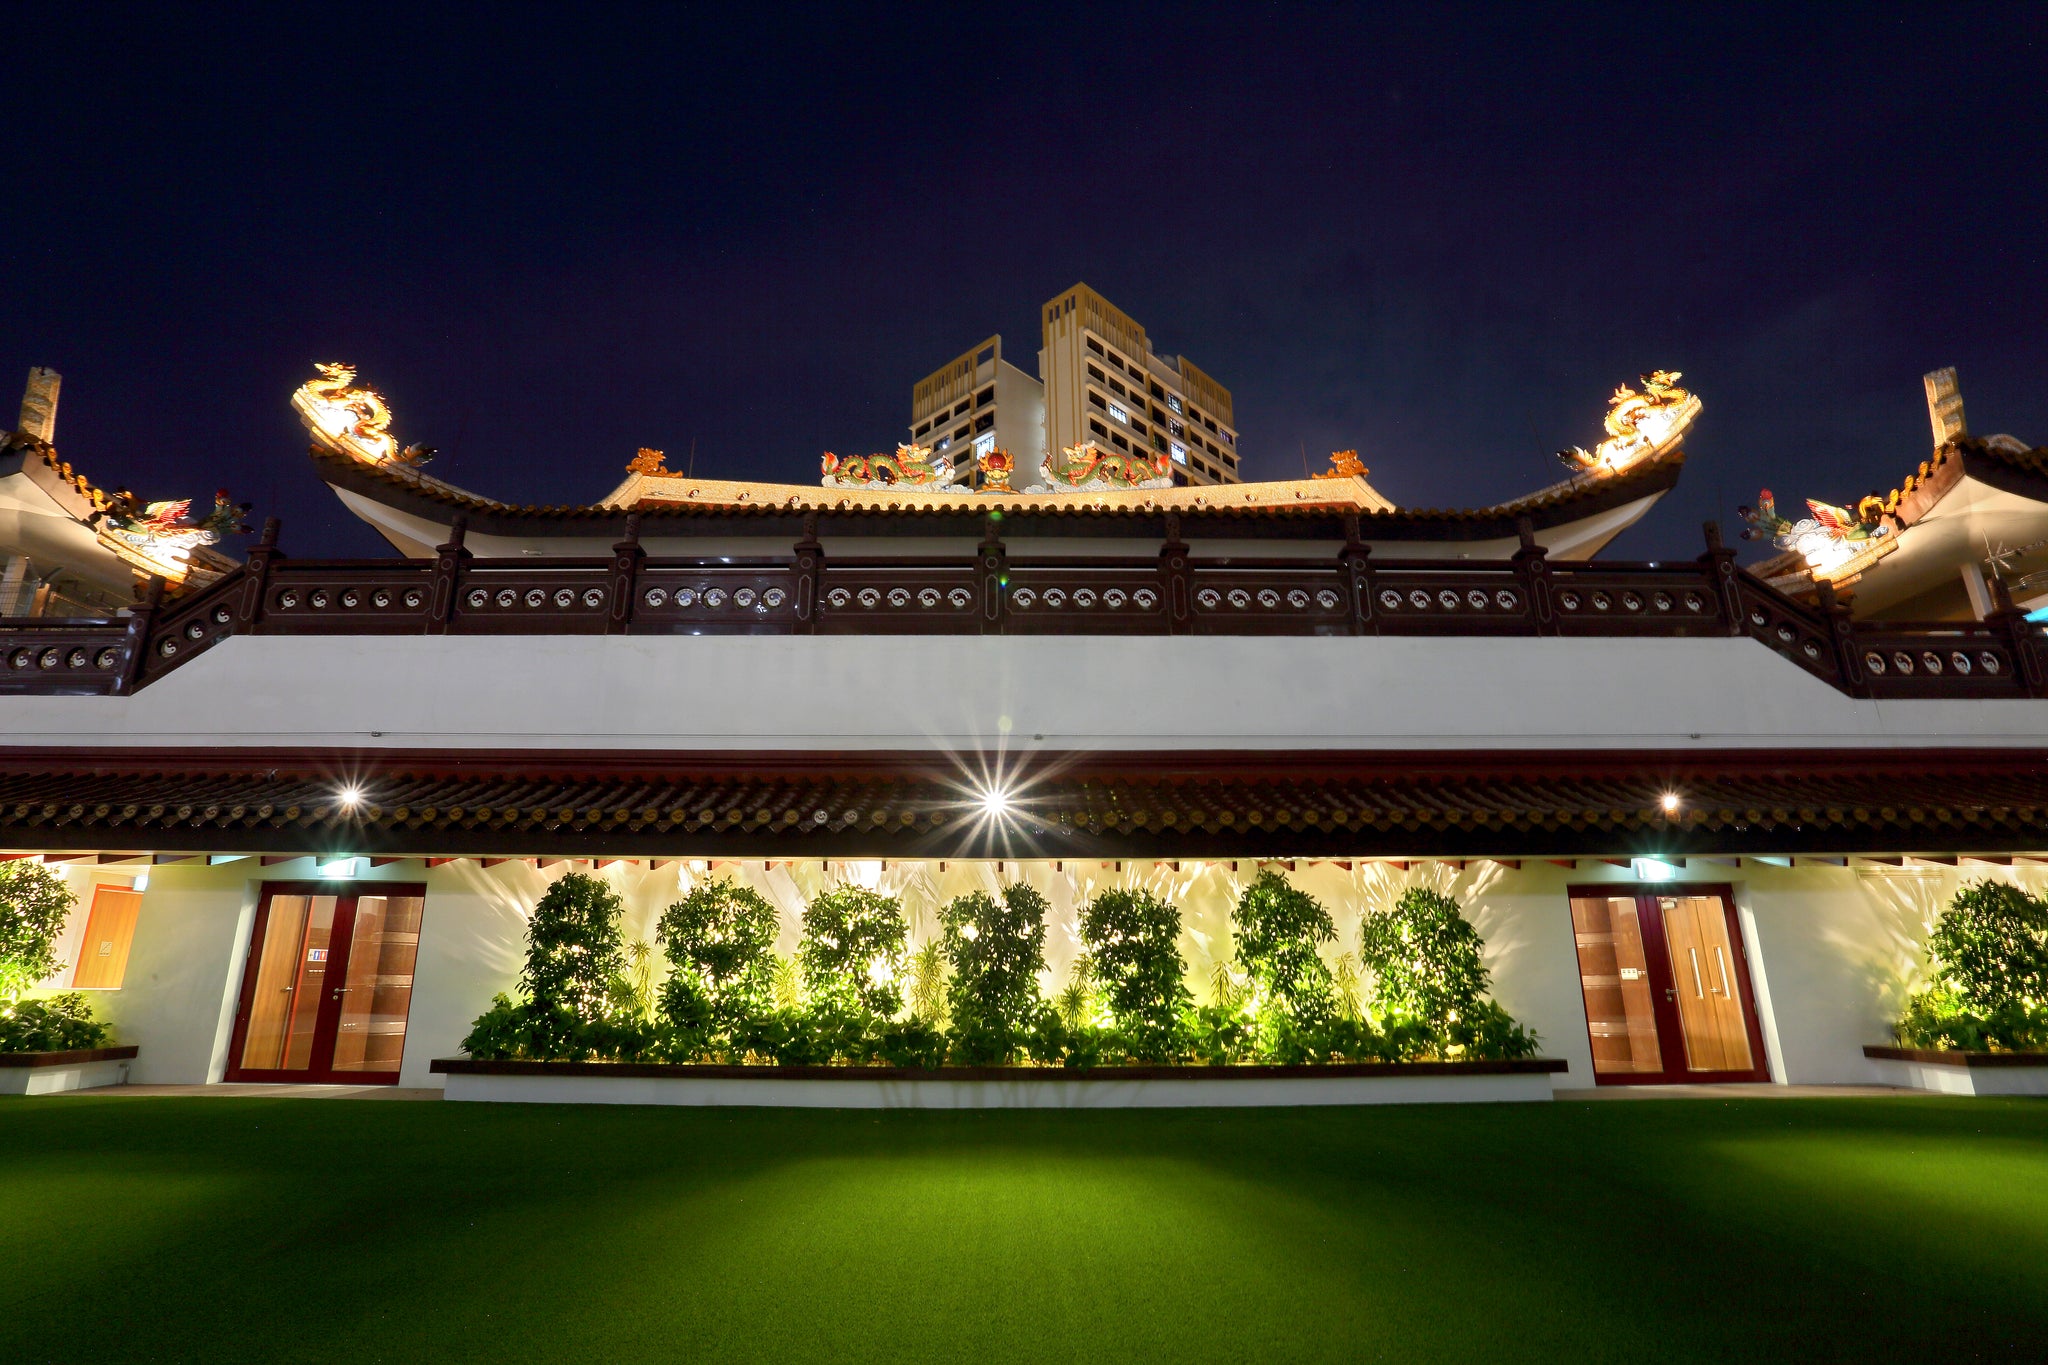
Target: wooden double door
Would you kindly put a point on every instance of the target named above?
(327, 987)
(1666, 984)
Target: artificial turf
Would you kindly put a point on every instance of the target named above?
(253, 1229)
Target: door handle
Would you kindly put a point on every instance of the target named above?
(1671, 992)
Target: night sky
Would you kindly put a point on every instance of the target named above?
(551, 236)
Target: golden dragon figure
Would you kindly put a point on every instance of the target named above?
(1639, 423)
(351, 419)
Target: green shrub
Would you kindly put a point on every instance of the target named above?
(520, 1030)
(579, 1003)
(852, 952)
(910, 1043)
(996, 948)
(1425, 959)
(1133, 941)
(1277, 929)
(717, 940)
(574, 954)
(34, 903)
(58, 1023)
(1989, 981)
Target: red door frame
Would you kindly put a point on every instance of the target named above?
(1664, 988)
(327, 1024)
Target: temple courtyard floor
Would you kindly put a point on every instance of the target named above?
(1711, 1227)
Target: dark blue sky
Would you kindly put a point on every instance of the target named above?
(1441, 236)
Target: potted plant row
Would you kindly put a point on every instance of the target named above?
(858, 1001)
(1979, 1024)
(47, 1042)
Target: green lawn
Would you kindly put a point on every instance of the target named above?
(233, 1229)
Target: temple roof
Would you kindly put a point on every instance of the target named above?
(1968, 498)
(681, 503)
(1107, 805)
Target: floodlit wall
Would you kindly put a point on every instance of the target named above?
(830, 693)
(1833, 950)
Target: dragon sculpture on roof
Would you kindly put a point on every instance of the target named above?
(912, 466)
(350, 419)
(1640, 423)
(1091, 469)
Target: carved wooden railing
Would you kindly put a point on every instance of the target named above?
(1352, 593)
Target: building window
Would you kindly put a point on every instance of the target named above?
(962, 407)
(1117, 414)
(1175, 428)
(1229, 439)
(1194, 412)
(925, 430)
(960, 434)
(1095, 373)
(985, 397)
(1095, 398)
(985, 421)
(1180, 453)
(1095, 346)
(1157, 392)
(945, 443)
(109, 930)
(1116, 360)
(984, 444)
(1173, 401)
(1098, 428)
(1120, 443)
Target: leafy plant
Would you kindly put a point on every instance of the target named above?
(1076, 1004)
(633, 992)
(911, 1043)
(928, 984)
(58, 1023)
(34, 903)
(1347, 985)
(523, 1030)
(578, 1002)
(1277, 928)
(1425, 960)
(573, 948)
(996, 947)
(1989, 986)
(852, 951)
(1134, 953)
(716, 940)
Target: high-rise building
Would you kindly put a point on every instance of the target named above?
(1098, 380)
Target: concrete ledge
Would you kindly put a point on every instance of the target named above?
(1962, 1073)
(997, 1087)
(47, 1073)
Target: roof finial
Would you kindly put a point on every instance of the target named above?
(39, 405)
(1945, 406)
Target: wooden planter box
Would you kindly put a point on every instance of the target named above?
(1963, 1073)
(998, 1087)
(45, 1073)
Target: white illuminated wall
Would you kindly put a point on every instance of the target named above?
(1832, 950)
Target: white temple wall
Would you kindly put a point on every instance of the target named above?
(1833, 950)
(1021, 692)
